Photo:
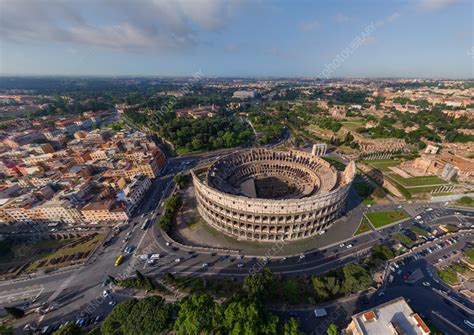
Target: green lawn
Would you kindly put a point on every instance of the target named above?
(353, 125)
(449, 276)
(380, 219)
(418, 181)
(419, 231)
(469, 254)
(364, 226)
(383, 164)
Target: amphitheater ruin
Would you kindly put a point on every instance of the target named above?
(264, 195)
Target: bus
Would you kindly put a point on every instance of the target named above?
(145, 224)
(119, 260)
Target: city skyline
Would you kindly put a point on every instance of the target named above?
(398, 39)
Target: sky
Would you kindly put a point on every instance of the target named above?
(242, 38)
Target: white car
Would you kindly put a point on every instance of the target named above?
(349, 246)
(106, 293)
(168, 244)
(155, 256)
(469, 324)
(302, 256)
(342, 245)
(177, 260)
(240, 265)
(322, 232)
(425, 283)
(204, 265)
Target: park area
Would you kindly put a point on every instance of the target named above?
(383, 165)
(380, 219)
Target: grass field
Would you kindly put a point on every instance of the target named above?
(418, 181)
(364, 226)
(353, 125)
(449, 276)
(383, 165)
(380, 219)
(469, 254)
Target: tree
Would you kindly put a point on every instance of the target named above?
(291, 291)
(332, 329)
(292, 327)
(198, 314)
(259, 285)
(151, 315)
(15, 312)
(69, 329)
(248, 317)
(181, 180)
(356, 278)
(5, 330)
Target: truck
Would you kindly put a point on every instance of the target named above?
(320, 312)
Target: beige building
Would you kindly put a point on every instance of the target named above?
(102, 211)
(391, 318)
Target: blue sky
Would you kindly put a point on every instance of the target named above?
(413, 38)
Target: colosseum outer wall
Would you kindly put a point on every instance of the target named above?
(270, 220)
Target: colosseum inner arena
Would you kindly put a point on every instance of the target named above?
(264, 195)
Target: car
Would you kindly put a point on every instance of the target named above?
(143, 215)
(240, 265)
(106, 293)
(322, 232)
(381, 294)
(204, 265)
(45, 330)
(168, 244)
(349, 246)
(150, 261)
(112, 303)
(97, 319)
(426, 283)
(469, 324)
(177, 260)
(342, 245)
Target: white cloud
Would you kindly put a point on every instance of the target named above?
(341, 18)
(437, 4)
(369, 41)
(393, 17)
(123, 24)
(309, 26)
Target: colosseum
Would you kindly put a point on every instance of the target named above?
(263, 195)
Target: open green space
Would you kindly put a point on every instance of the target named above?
(353, 125)
(469, 254)
(418, 181)
(419, 231)
(449, 276)
(380, 219)
(383, 164)
(79, 246)
(364, 226)
(466, 202)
